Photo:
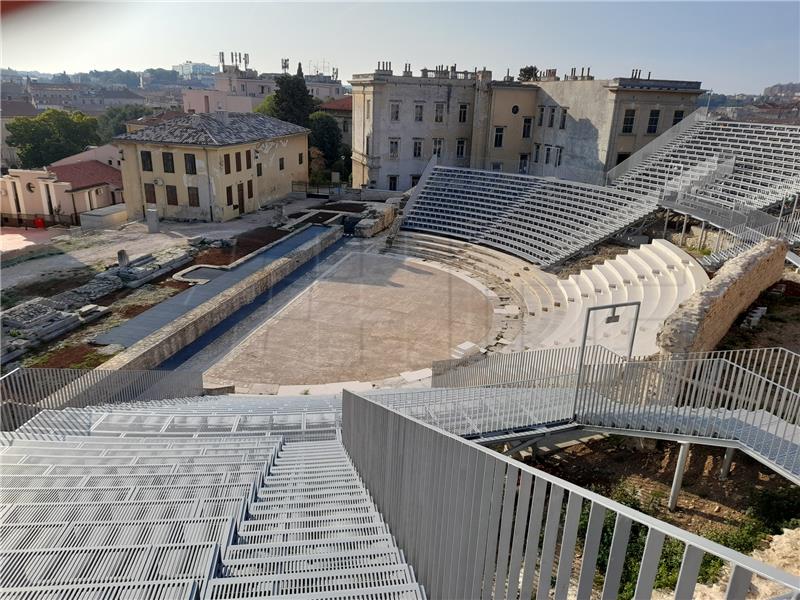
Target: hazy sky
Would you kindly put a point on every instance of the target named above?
(729, 46)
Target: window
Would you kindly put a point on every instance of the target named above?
(551, 119)
(229, 195)
(394, 111)
(677, 117)
(622, 156)
(194, 196)
(414, 180)
(417, 148)
(238, 161)
(369, 139)
(497, 166)
(172, 195)
(547, 151)
(462, 113)
(559, 154)
(526, 127)
(227, 164)
(514, 109)
(394, 147)
(498, 137)
(393, 183)
(418, 112)
(299, 158)
(169, 162)
(536, 149)
(249, 188)
(461, 144)
(563, 123)
(147, 160)
(259, 170)
(240, 194)
(149, 193)
(540, 122)
(438, 115)
(437, 146)
(345, 126)
(280, 164)
(369, 108)
(628, 120)
(523, 164)
(652, 122)
(190, 164)
(248, 159)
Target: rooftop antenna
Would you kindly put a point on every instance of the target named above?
(285, 65)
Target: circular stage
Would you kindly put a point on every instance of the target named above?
(367, 318)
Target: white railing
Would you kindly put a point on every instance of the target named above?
(476, 524)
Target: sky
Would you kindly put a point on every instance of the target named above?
(732, 47)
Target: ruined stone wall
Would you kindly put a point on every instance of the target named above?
(704, 319)
(154, 349)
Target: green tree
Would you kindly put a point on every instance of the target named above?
(112, 122)
(267, 107)
(51, 136)
(344, 165)
(325, 135)
(529, 73)
(292, 101)
(162, 76)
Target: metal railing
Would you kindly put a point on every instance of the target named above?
(25, 392)
(476, 524)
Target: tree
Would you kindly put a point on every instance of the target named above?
(316, 166)
(529, 73)
(344, 165)
(162, 76)
(267, 107)
(61, 78)
(51, 136)
(325, 135)
(112, 122)
(293, 103)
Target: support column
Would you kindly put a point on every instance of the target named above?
(719, 241)
(677, 480)
(683, 231)
(701, 243)
(666, 222)
(726, 464)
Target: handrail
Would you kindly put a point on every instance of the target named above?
(428, 482)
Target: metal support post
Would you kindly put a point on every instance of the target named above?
(726, 464)
(719, 241)
(683, 231)
(701, 243)
(677, 480)
(666, 223)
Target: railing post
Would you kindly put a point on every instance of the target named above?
(677, 479)
(726, 464)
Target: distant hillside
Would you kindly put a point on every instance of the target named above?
(782, 89)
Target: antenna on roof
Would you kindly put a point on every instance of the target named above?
(285, 65)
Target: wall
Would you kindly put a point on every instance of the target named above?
(504, 97)
(154, 349)
(704, 319)
(109, 217)
(32, 187)
(194, 100)
(211, 179)
(107, 154)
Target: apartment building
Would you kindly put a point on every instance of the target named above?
(342, 111)
(211, 167)
(573, 127)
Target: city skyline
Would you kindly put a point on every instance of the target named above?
(732, 47)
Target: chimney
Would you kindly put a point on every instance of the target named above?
(588, 70)
(648, 74)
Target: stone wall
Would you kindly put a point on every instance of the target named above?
(703, 320)
(154, 349)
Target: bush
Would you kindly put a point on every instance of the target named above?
(776, 509)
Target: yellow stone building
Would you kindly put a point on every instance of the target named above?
(211, 167)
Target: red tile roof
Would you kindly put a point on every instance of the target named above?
(87, 174)
(343, 103)
(17, 108)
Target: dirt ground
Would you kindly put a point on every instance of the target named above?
(46, 286)
(370, 317)
(345, 207)
(704, 502)
(780, 326)
(600, 254)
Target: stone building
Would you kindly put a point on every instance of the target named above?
(341, 110)
(573, 127)
(211, 167)
(82, 97)
(10, 110)
(58, 193)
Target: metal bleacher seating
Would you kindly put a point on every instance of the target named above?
(192, 498)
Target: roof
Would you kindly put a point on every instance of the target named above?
(214, 129)
(343, 103)
(17, 108)
(121, 93)
(149, 120)
(87, 174)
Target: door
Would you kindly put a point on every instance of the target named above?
(240, 191)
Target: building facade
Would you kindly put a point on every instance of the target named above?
(576, 127)
(211, 167)
(10, 110)
(193, 70)
(82, 97)
(59, 193)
